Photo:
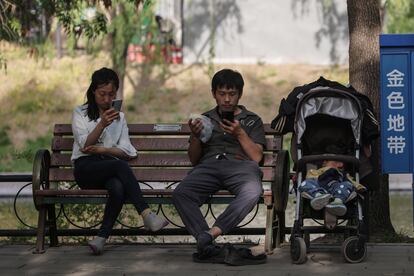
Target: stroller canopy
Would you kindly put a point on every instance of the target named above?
(332, 102)
(285, 120)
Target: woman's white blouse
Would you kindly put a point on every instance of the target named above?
(115, 135)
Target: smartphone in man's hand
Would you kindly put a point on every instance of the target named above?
(116, 104)
(228, 115)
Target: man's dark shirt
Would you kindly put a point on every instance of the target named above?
(225, 143)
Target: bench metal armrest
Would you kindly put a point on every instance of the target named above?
(40, 174)
(280, 185)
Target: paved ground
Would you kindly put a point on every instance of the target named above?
(138, 259)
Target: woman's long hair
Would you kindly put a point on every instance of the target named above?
(100, 77)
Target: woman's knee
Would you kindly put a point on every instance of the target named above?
(115, 188)
(121, 165)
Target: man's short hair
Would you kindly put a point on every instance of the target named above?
(228, 79)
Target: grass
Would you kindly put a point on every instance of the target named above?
(402, 216)
(21, 159)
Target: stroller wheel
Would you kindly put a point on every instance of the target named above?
(298, 250)
(353, 250)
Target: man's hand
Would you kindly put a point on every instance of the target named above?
(194, 150)
(108, 117)
(94, 150)
(232, 128)
(196, 126)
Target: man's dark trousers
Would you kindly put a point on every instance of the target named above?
(241, 177)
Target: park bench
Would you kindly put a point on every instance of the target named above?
(162, 158)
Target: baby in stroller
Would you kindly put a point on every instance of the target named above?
(329, 187)
(332, 128)
(327, 146)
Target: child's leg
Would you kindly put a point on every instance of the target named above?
(319, 196)
(341, 190)
(309, 188)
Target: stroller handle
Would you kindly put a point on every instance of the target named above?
(321, 157)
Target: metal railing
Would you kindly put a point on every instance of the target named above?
(12, 177)
(30, 231)
(17, 178)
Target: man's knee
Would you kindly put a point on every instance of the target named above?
(183, 194)
(178, 193)
(253, 193)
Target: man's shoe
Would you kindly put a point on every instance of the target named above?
(213, 254)
(242, 256)
(320, 201)
(204, 239)
(97, 245)
(153, 222)
(336, 207)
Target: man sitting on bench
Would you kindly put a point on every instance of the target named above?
(227, 161)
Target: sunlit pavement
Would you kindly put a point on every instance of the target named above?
(160, 259)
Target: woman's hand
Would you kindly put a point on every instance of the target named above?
(115, 152)
(94, 150)
(108, 117)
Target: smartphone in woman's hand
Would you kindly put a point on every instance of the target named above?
(116, 104)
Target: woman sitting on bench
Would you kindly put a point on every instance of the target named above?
(100, 151)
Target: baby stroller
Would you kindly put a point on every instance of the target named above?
(327, 126)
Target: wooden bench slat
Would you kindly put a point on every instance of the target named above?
(152, 196)
(149, 160)
(146, 192)
(148, 175)
(142, 144)
(149, 200)
(156, 196)
(66, 129)
(149, 144)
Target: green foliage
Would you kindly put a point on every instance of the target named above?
(44, 49)
(35, 97)
(18, 160)
(10, 27)
(79, 17)
(400, 16)
(4, 138)
(122, 31)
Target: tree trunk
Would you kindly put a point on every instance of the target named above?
(119, 45)
(364, 74)
(119, 65)
(58, 40)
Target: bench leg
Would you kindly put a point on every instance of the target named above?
(269, 230)
(280, 232)
(40, 237)
(51, 214)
